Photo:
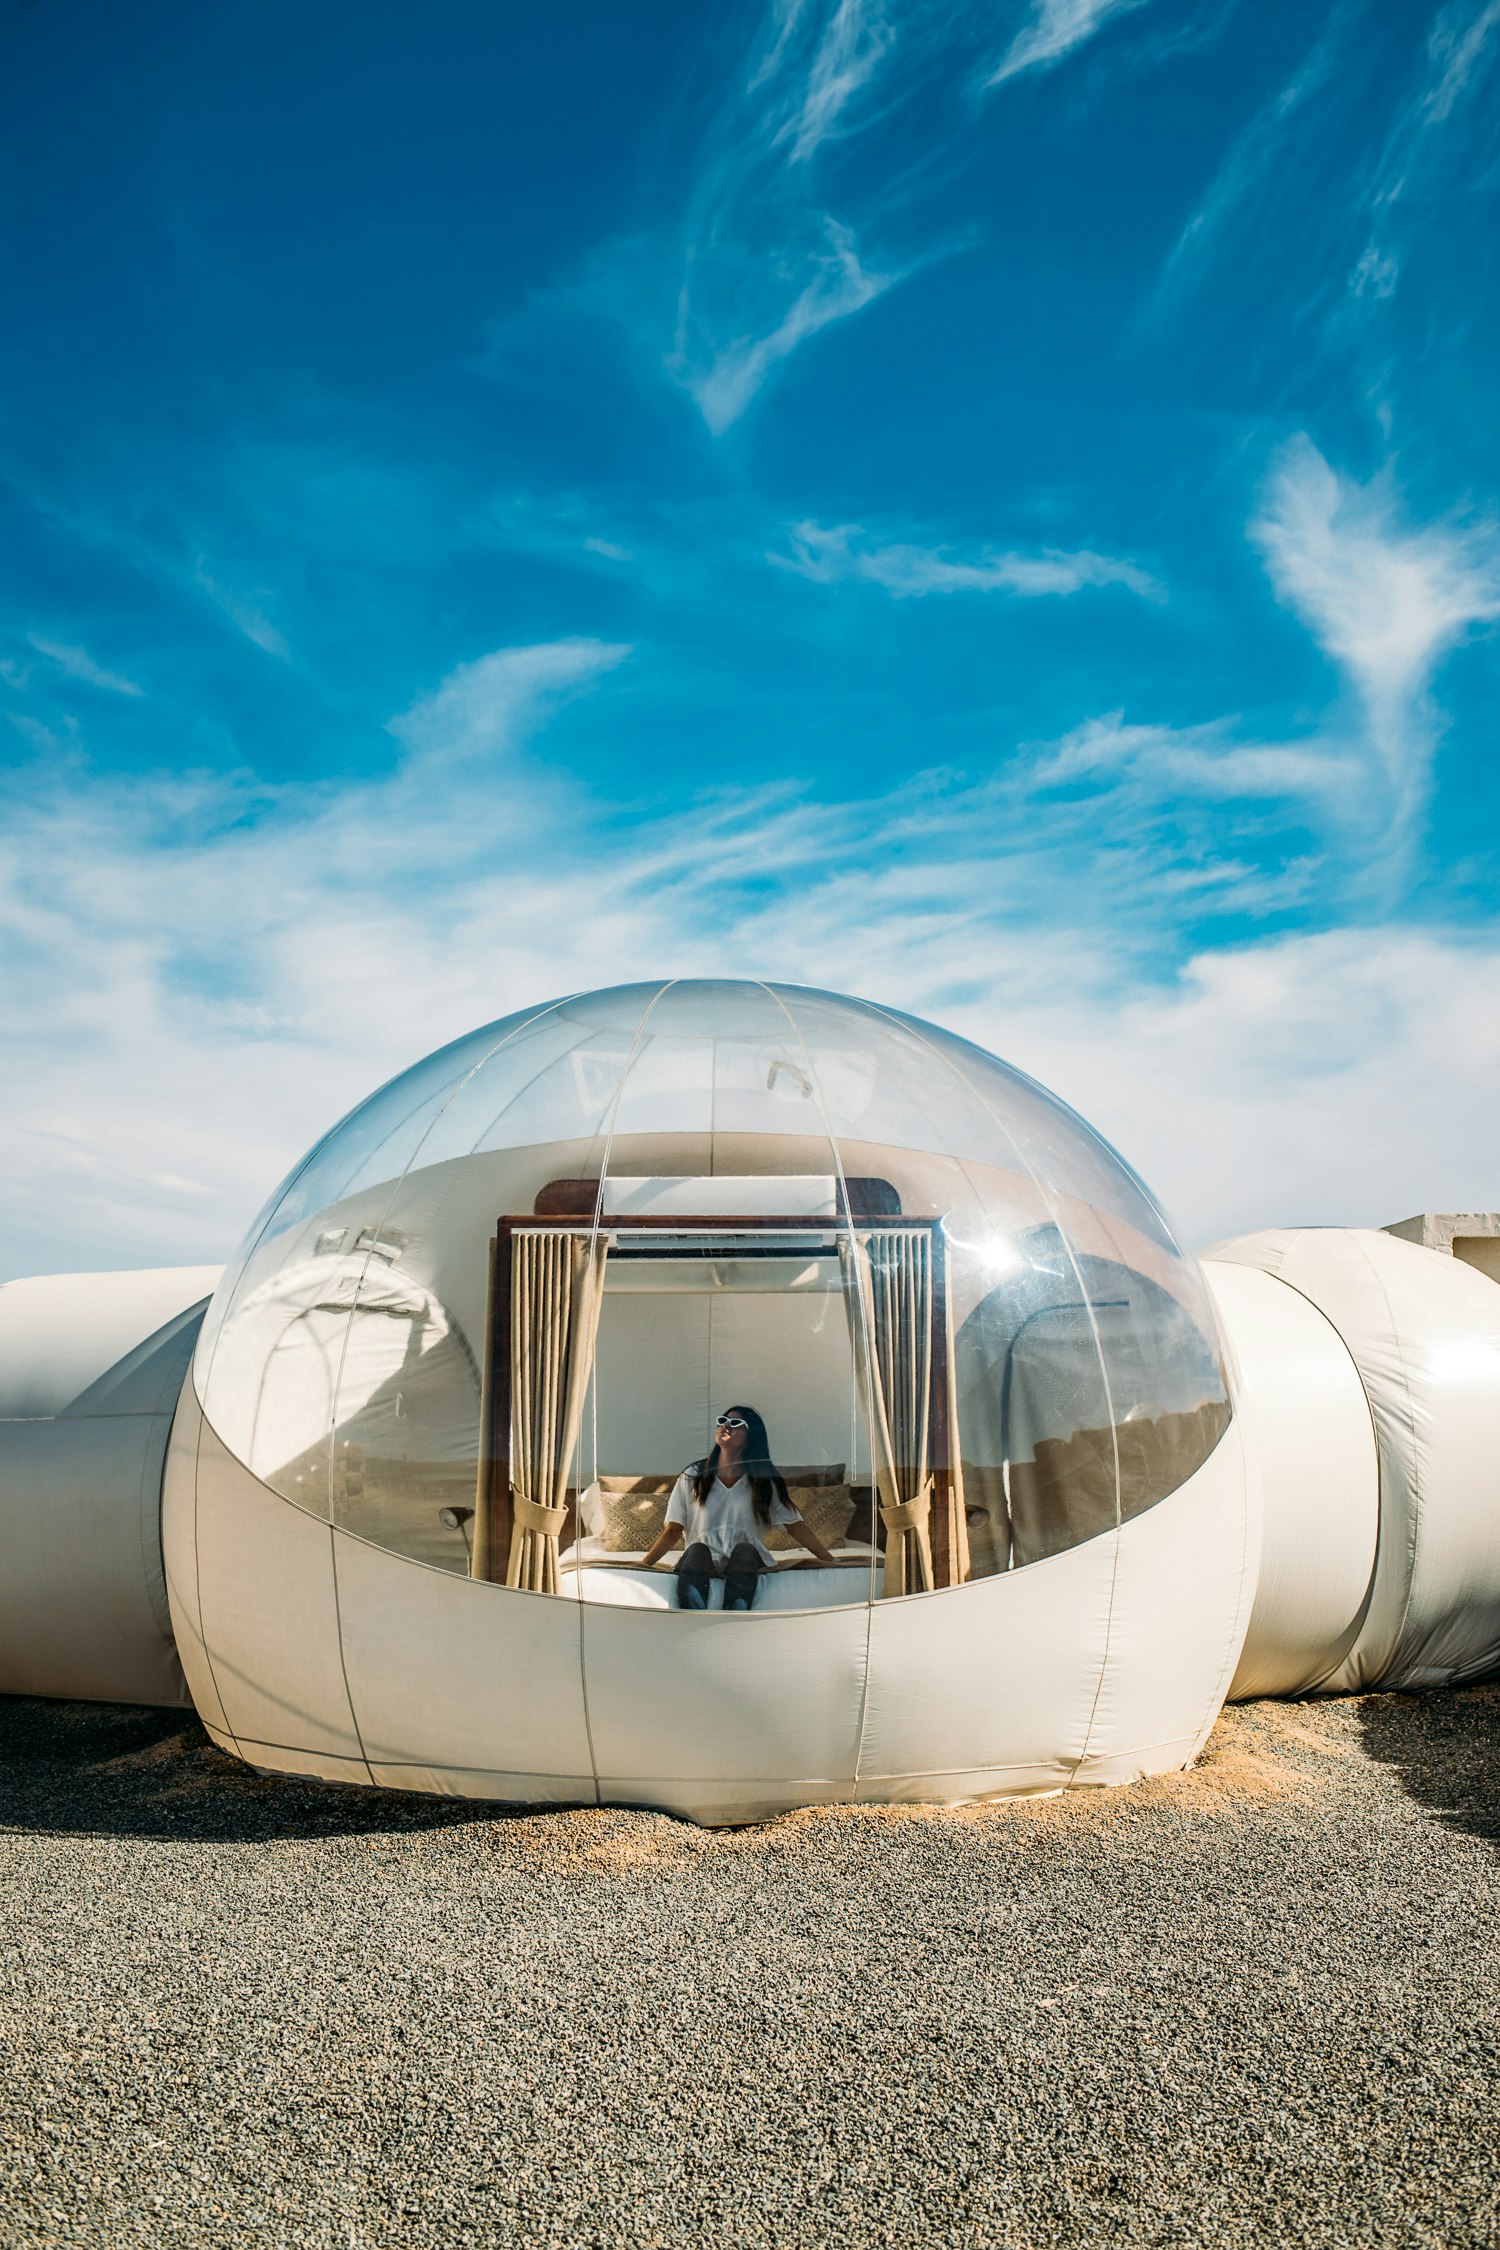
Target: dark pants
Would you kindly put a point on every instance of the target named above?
(741, 1577)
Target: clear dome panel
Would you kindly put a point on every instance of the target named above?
(1118, 1377)
(595, 1225)
(345, 1369)
(370, 1148)
(722, 1289)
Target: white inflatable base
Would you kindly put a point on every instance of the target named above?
(311, 1651)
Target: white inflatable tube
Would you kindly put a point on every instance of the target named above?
(1423, 1333)
(91, 1365)
(1300, 1396)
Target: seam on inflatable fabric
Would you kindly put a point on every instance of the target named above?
(661, 1781)
(199, 1306)
(1144, 1750)
(307, 1515)
(153, 1518)
(609, 1141)
(714, 1780)
(1109, 1610)
(338, 1627)
(79, 1421)
(146, 1520)
(1234, 1645)
(146, 1542)
(838, 1166)
(1351, 1641)
(213, 1670)
(1413, 1538)
(299, 1750)
(509, 1773)
(1056, 1781)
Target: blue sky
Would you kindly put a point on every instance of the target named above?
(991, 507)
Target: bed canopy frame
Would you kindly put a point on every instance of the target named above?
(546, 1286)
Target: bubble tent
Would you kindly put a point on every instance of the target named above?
(1071, 1487)
(947, 1296)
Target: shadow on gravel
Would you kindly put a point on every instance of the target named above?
(1444, 1749)
(109, 1769)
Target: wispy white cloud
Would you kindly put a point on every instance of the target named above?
(1430, 142)
(774, 255)
(831, 553)
(1460, 49)
(1208, 760)
(1384, 599)
(243, 612)
(782, 242)
(174, 552)
(77, 664)
(1356, 194)
(849, 47)
(1339, 1077)
(1250, 160)
(1053, 30)
(484, 708)
(198, 973)
(726, 376)
(207, 994)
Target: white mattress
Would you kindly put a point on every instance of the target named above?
(624, 1586)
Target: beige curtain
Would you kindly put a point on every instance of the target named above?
(958, 1534)
(557, 1287)
(887, 1277)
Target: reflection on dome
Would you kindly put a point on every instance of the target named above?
(493, 1314)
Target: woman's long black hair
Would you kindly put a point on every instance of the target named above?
(766, 1481)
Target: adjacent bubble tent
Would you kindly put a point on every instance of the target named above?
(442, 1387)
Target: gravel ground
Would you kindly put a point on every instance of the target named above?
(1253, 2004)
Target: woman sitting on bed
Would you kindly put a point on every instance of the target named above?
(722, 1505)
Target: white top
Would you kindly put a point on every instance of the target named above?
(725, 1518)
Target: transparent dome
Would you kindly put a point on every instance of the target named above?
(495, 1312)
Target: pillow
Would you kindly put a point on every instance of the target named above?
(625, 1522)
(824, 1508)
(624, 1514)
(831, 1472)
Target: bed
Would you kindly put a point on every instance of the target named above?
(620, 1581)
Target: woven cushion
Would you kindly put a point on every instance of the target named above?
(824, 1508)
(625, 1523)
(624, 1514)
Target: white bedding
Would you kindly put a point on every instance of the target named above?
(624, 1585)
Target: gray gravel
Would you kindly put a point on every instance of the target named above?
(1254, 2004)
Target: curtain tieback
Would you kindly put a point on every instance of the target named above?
(909, 1515)
(528, 1516)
